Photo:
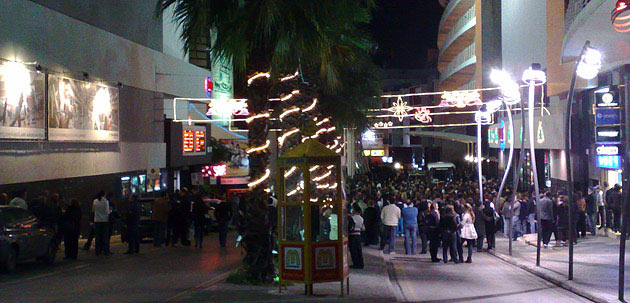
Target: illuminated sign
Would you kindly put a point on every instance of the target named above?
(502, 135)
(607, 116)
(377, 153)
(193, 140)
(374, 152)
(387, 159)
(608, 150)
(610, 162)
(369, 135)
(608, 134)
(214, 170)
(540, 133)
(227, 107)
(460, 99)
(189, 141)
(606, 97)
(208, 85)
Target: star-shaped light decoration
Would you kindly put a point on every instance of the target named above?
(382, 124)
(423, 115)
(461, 99)
(399, 108)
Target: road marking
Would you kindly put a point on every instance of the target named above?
(206, 284)
(45, 275)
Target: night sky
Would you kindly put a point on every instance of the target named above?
(403, 31)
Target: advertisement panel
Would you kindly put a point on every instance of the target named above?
(22, 102)
(82, 111)
(292, 262)
(607, 116)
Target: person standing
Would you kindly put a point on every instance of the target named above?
(449, 228)
(591, 210)
(433, 231)
(546, 218)
(601, 207)
(133, 225)
(100, 208)
(410, 220)
(615, 201)
(423, 206)
(468, 233)
(223, 214)
(19, 199)
(390, 215)
(71, 226)
(161, 208)
(480, 225)
(355, 226)
(200, 209)
(371, 223)
(491, 224)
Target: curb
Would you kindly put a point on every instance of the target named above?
(558, 282)
(395, 293)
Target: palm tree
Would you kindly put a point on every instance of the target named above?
(272, 36)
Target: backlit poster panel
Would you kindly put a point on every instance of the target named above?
(22, 102)
(82, 111)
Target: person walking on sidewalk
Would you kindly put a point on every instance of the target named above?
(390, 216)
(100, 208)
(200, 209)
(433, 231)
(223, 214)
(410, 220)
(468, 233)
(355, 226)
(546, 218)
(480, 225)
(491, 224)
(449, 227)
(422, 226)
(372, 219)
(601, 207)
(161, 208)
(71, 226)
(615, 201)
(591, 210)
(133, 225)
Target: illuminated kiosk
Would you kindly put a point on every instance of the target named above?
(312, 233)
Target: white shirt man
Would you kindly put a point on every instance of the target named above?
(390, 216)
(100, 207)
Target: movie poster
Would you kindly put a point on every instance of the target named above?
(22, 102)
(81, 111)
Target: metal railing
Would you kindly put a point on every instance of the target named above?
(457, 30)
(465, 55)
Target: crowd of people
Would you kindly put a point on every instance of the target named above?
(176, 217)
(449, 214)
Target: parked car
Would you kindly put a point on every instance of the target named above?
(22, 237)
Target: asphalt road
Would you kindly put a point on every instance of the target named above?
(154, 275)
(487, 279)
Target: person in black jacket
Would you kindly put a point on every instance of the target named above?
(448, 226)
(133, 225)
(223, 214)
(71, 226)
(423, 206)
(372, 218)
(491, 225)
(432, 221)
(200, 209)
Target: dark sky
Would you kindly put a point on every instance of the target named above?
(404, 30)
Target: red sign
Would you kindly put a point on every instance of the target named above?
(292, 262)
(200, 141)
(189, 141)
(214, 170)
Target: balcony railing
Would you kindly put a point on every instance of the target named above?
(472, 84)
(573, 10)
(467, 55)
(465, 22)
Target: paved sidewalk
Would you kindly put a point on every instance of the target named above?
(595, 270)
(370, 284)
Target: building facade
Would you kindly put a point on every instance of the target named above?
(98, 75)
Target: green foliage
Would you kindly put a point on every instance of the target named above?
(219, 152)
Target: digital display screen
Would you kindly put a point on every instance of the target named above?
(200, 141)
(189, 141)
(611, 162)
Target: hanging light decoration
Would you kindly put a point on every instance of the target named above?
(400, 108)
(590, 63)
(620, 16)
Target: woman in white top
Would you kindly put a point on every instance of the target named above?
(468, 230)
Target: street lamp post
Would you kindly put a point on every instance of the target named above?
(510, 95)
(483, 117)
(534, 77)
(587, 67)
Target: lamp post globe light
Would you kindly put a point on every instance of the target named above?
(587, 67)
(483, 117)
(510, 95)
(533, 77)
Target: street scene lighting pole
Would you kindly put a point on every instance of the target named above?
(533, 77)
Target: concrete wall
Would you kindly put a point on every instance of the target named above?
(523, 33)
(134, 20)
